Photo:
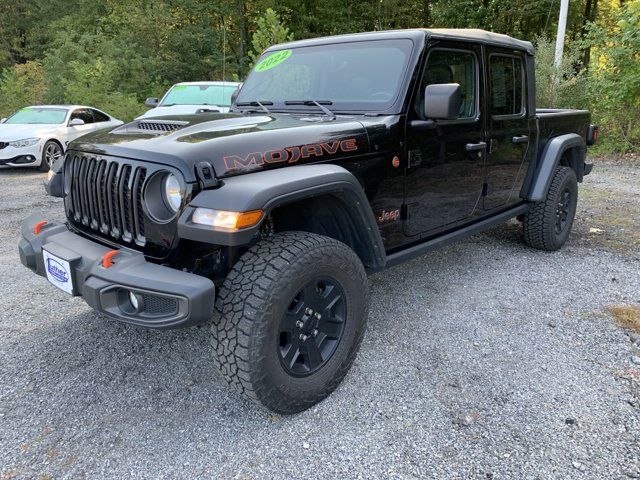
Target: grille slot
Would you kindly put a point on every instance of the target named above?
(106, 196)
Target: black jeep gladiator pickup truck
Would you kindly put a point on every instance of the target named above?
(341, 156)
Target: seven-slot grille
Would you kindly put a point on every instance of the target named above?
(106, 196)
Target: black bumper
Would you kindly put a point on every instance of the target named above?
(167, 297)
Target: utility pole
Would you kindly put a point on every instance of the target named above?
(562, 27)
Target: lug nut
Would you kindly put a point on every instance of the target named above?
(314, 333)
(299, 324)
(303, 337)
(318, 316)
(308, 311)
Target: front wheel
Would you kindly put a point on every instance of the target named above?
(51, 152)
(548, 223)
(290, 317)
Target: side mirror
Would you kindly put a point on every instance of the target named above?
(234, 95)
(151, 102)
(2, 120)
(442, 101)
(76, 122)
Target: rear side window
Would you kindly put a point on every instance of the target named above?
(99, 116)
(450, 66)
(507, 87)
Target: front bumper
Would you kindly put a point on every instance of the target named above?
(168, 298)
(21, 157)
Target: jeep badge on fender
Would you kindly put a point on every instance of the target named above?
(340, 156)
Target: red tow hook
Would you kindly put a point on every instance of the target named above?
(37, 228)
(107, 258)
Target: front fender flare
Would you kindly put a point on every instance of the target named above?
(269, 189)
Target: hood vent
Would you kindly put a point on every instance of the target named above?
(151, 126)
(160, 125)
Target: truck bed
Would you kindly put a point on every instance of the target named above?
(553, 122)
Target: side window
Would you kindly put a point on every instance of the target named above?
(449, 66)
(506, 75)
(83, 114)
(99, 116)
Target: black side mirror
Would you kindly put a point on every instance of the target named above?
(151, 102)
(234, 95)
(442, 101)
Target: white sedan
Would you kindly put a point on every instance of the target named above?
(187, 98)
(37, 136)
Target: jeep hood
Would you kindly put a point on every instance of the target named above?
(232, 143)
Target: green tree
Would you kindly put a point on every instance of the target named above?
(22, 85)
(270, 31)
(614, 75)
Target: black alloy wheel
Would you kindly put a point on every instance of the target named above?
(312, 327)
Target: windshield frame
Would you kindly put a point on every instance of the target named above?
(64, 120)
(164, 97)
(397, 106)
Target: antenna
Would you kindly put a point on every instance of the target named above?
(224, 48)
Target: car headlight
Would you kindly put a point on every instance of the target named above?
(172, 192)
(26, 142)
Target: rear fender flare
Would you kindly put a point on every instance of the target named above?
(550, 159)
(267, 190)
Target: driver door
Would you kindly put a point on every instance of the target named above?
(445, 165)
(76, 131)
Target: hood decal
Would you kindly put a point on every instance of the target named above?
(238, 163)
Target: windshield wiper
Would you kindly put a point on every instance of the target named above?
(318, 103)
(256, 103)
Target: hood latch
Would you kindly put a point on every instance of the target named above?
(206, 175)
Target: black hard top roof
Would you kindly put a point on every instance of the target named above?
(469, 34)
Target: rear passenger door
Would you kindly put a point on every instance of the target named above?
(508, 127)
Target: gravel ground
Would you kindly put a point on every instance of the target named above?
(483, 360)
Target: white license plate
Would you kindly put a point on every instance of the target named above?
(58, 272)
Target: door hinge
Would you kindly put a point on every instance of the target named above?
(206, 175)
(404, 212)
(415, 158)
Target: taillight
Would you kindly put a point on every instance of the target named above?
(592, 135)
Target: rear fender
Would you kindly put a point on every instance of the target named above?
(550, 159)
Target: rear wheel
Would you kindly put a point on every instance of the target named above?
(548, 223)
(290, 318)
(51, 152)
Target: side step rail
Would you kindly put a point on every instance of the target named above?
(422, 248)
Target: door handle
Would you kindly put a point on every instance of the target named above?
(520, 139)
(474, 147)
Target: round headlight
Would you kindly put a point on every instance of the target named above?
(172, 192)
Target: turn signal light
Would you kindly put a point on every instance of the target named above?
(226, 220)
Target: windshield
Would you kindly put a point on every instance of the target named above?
(45, 116)
(219, 95)
(352, 76)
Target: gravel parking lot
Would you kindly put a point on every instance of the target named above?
(485, 359)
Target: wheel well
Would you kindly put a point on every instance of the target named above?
(328, 215)
(573, 158)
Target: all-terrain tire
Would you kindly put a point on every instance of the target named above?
(255, 297)
(548, 223)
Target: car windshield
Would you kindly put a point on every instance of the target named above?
(44, 116)
(357, 76)
(219, 95)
